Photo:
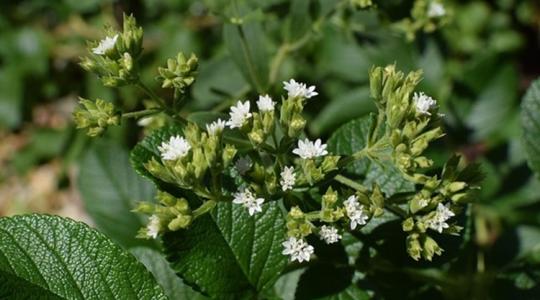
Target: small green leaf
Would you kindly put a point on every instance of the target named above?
(530, 120)
(110, 189)
(58, 258)
(228, 254)
(165, 276)
(351, 138)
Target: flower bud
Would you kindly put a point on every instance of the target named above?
(96, 116)
(413, 246)
(408, 225)
(296, 126)
(229, 152)
(145, 208)
(431, 248)
(329, 163)
(329, 198)
(180, 222)
(296, 213)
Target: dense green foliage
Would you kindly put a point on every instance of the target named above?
(479, 61)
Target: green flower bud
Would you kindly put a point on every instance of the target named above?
(296, 126)
(305, 229)
(456, 186)
(229, 152)
(182, 206)
(329, 198)
(296, 213)
(377, 200)
(132, 37)
(408, 225)
(165, 198)
(145, 208)
(376, 83)
(431, 248)
(329, 163)
(413, 246)
(179, 73)
(459, 197)
(418, 203)
(256, 137)
(180, 222)
(96, 116)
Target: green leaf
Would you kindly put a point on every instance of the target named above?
(351, 138)
(285, 287)
(211, 84)
(165, 276)
(530, 120)
(494, 106)
(247, 47)
(228, 254)
(110, 189)
(63, 259)
(347, 106)
(11, 97)
(299, 20)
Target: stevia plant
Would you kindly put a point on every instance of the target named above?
(246, 198)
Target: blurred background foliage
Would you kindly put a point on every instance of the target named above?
(477, 66)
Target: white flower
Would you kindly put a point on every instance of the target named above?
(288, 178)
(153, 227)
(248, 200)
(243, 165)
(423, 103)
(438, 222)
(436, 10)
(265, 104)
(297, 249)
(105, 45)
(176, 148)
(239, 114)
(298, 89)
(355, 212)
(307, 149)
(215, 127)
(329, 234)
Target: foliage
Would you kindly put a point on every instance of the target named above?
(354, 179)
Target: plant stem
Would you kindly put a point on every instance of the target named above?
(151, 94)
(204, 208)
(141, 113)
(351, 183)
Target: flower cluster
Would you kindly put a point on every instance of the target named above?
(114, 58)
(426, 15)
(96, 116)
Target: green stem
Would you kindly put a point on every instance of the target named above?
(204, 208)
(151, 94)
(350, 183)
(141, 113)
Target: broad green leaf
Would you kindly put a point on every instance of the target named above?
(351, 138)
(347, 106)
(228, 254)
(285, 287)
(110, 189)
(299, 20)
(494, 106)
(530, 120)
(58, 258)
(247, 47)
(211, 84)
(172, 285)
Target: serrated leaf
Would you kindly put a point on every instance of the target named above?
(245, 249)
(352, 137)
(172, 285)
(110, 189)
(530, 120)
(58, 258)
